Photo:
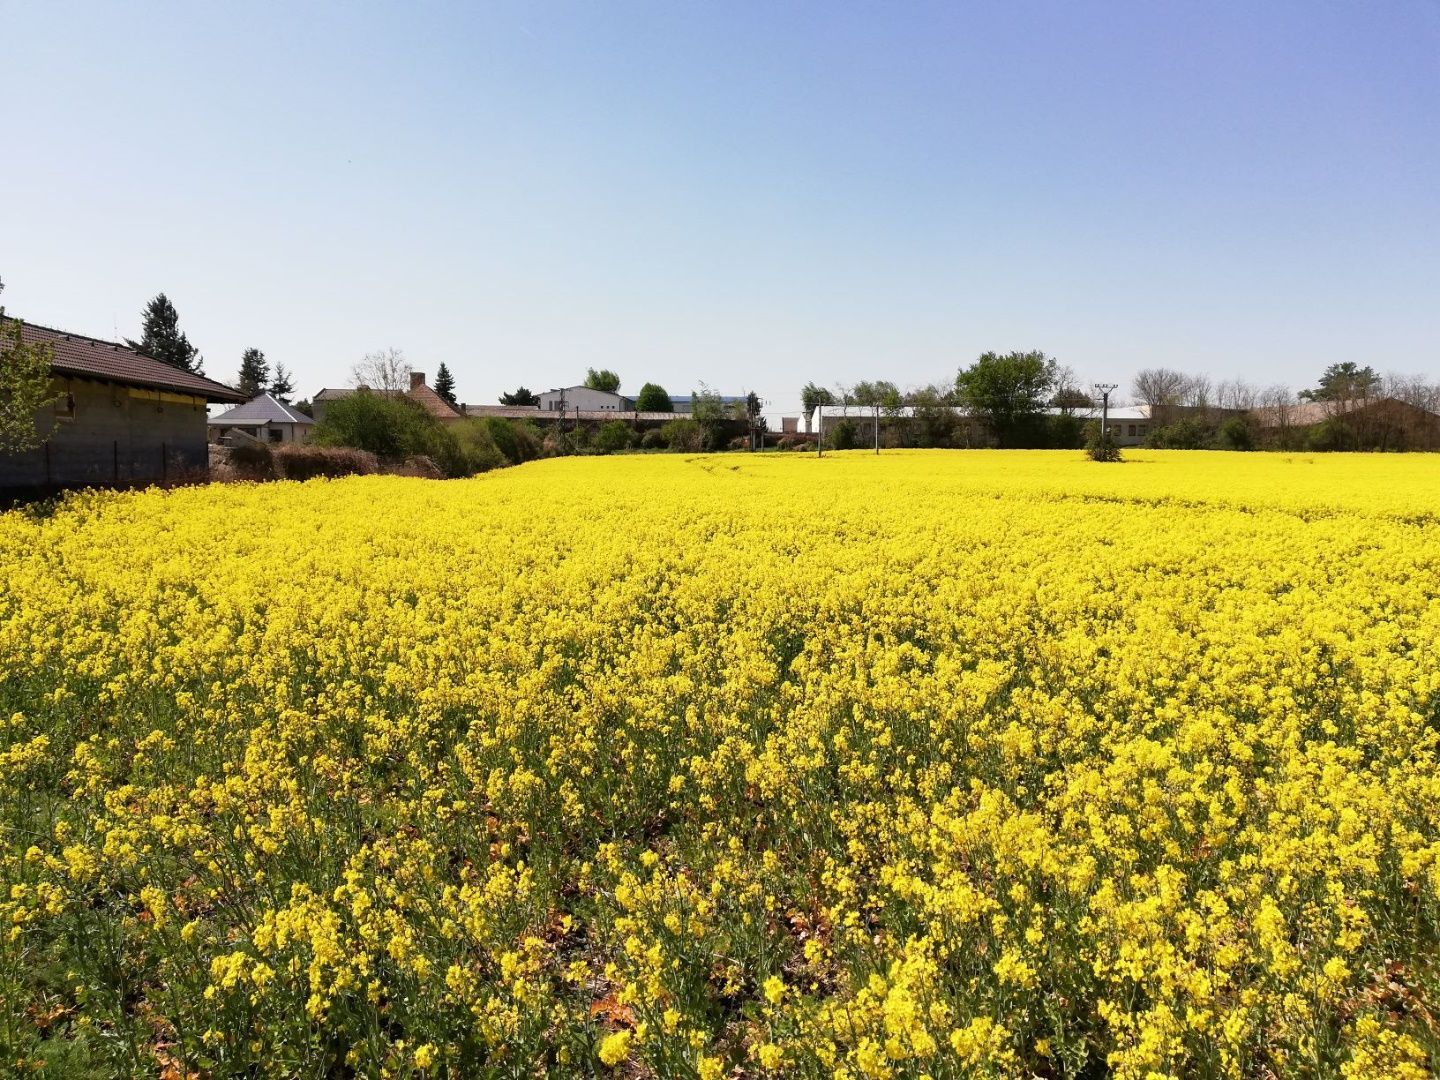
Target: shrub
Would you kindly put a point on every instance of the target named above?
(613, 437)
(791, 442)
(1100, 445)
(683, 435)
(1234, 434)
(474, 450)
(251, 461)
(516, 439)
(391, 428)
(1191, 433)
(296, 461)
(843, 436)
(1332, 434)
(1066, 432)
(654, 439)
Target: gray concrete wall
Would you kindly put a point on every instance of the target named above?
(113, 435)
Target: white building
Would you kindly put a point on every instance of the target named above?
(570, 398)
(262, 417)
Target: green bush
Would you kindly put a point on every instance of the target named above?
(843, 436)
(1234, 434)
(613, 437)
(1100, 445)
(391, 428)
(684, 435)
(474, 451)
(654, 439)
(1191, 433)
(518, 440)
(1066, 432)
(1332, 434)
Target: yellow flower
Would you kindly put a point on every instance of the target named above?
(615, 1048)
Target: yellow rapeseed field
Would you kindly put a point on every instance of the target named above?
(933, 764)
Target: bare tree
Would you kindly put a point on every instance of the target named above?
(1236, 395)
(1070, 394)
(1196, 392)
(1277, 403)
(386, 369)
(1161, 389)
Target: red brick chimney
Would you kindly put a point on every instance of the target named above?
(417, 380)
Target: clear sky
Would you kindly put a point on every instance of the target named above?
(749, 194)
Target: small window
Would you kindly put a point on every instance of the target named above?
(1132, 430)
(276, 435)
(65, 407)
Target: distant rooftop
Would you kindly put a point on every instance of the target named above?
(261, 409)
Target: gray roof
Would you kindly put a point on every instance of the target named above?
(262, 409)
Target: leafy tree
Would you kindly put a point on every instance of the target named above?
(521, 397)
(708, 410)
(604, 379)
(935, 421)
(684, 435)
(1234, 434)
(304, 407)
(753, 414)
(1344, 382)
(812, 396)
(653, 398)
(254, 372)
(845, 435)
(386, 369)
(25, 387)
(445, 385)
(163, 340)
(1009, 391)
(281, 386)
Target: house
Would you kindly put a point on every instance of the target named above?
(1129, 424)
(420, 392)
(263, 417)
(570, 398)
(122, 417)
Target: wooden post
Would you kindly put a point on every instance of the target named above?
(164, 464)
(116, 457)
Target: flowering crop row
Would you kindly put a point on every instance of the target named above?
(932, 764)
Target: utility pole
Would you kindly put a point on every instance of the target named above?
(819, 430)
(877, 430)
(1103, 389)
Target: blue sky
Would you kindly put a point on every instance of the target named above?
(752, 195)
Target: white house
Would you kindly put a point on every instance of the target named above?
(262, 417)
(584, 398)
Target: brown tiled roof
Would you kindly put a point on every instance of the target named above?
(87, 357)
(433, 403)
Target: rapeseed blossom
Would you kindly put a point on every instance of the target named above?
(929, 764)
